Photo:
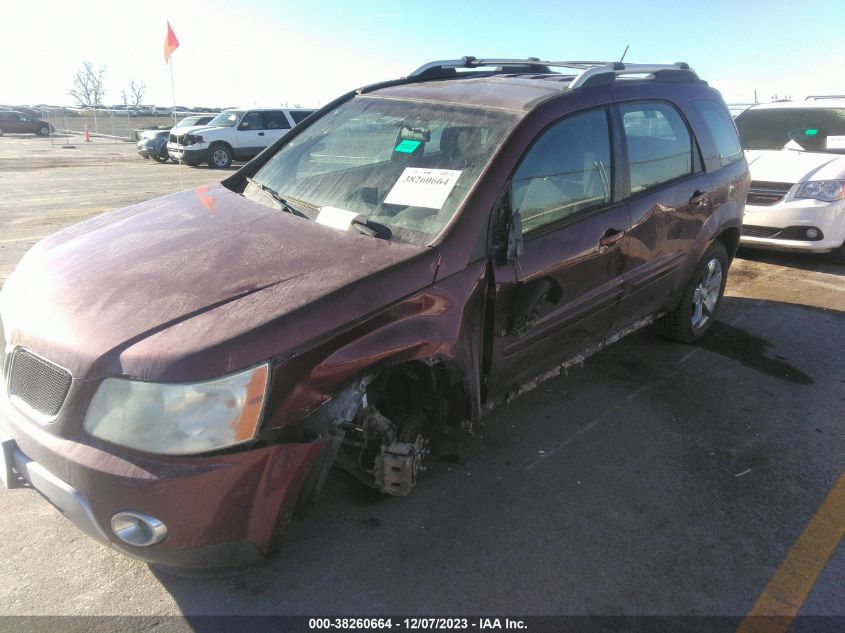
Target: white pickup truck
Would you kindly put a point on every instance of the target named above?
(232, 135)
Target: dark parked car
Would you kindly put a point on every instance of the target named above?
(153, 143)
(181, 374)
(14, 122)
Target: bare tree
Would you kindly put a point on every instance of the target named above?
(88, 87)
(135, 95)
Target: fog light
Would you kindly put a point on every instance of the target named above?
(812, 233)
(137, 529)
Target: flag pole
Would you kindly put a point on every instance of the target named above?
(172, 90)
(170, 45)
(173, 95)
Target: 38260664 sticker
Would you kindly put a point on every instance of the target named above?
(420, 187)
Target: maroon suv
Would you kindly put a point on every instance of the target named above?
(179, 376)
(14, 122)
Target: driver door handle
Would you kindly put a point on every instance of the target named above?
(611, 237)
(698, 198)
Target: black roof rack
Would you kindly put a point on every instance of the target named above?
(590, 73)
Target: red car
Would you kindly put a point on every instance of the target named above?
(179, 375)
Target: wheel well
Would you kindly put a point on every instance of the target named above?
(224, 144)
(730, 240)
(435, 387)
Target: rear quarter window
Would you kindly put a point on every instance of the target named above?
(659, 144)
(722, 130)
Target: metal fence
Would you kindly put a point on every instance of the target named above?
(115, 124)
(125, 125)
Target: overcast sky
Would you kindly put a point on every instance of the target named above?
(258, 53)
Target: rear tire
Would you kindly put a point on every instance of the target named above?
(43, 131)
(694, 314)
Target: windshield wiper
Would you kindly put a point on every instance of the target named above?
(373, 229)
(275, 195)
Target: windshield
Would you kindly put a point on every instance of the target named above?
(812, 129)
(402, 165)
(188, 121)
(227, 118)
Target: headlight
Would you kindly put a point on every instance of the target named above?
(2, 351)
(179, 419)
(827, 190)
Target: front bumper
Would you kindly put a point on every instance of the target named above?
(221, 511)
(193, 155)
(829, 217)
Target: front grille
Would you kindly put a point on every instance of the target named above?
(37, 382)
(759, 231)
(767, 193)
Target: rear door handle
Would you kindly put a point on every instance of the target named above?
(261, 134)
(698, 198)
(611, 237)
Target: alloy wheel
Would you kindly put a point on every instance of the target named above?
(707, 293)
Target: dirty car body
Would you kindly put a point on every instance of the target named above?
(178, 376)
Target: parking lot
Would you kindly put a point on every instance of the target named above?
(657, 479)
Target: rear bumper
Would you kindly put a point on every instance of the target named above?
(148, 149)
(225, 511)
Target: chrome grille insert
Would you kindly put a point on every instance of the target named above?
(37, 382)
(764, 193)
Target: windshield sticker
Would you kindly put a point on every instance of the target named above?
(407, 146)
(836, 142)
(427, 188)
(340, 219)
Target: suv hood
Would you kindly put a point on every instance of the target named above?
(178, 287)
(792, 166)
(194, 129)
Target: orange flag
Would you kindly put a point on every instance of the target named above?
(170, 43)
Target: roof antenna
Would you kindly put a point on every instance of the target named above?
(625, 52)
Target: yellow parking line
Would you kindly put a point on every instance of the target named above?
(22, 239)
(788, 589)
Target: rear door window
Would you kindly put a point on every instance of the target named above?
(659, 144)
(276, 120)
